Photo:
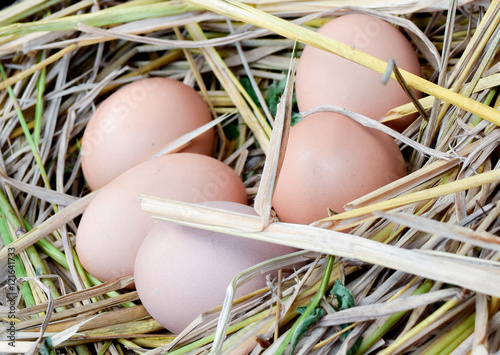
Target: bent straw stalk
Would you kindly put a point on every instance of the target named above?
(481, 279)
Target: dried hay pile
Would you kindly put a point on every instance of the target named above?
(421, 265)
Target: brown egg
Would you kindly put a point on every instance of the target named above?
(324, 78)
(114, 225)
(331, 160)
(137, 121)
(181, 272)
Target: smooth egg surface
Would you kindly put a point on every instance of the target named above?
(331, 160)
(137, 121)
(113, 226)
(324, 78)
(181, 272)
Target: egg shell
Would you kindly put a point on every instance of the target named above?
(331, 160)
(137, 121)
(181, 272)
(113, 226)
(324, 78)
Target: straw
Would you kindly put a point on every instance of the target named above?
(418, 259)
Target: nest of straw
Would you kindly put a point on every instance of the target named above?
(419, 271)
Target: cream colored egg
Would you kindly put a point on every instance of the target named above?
(114, 225)
(181, 272)
(137, 121)
(324, 78)
(331, 160)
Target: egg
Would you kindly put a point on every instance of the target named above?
(324, 78)
(137, 121)
(329, 161)
(181, 272)
(113, 226)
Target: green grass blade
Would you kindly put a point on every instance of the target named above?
(40, 89)
(109, 16)
(18, 265)
(27, 133)
(314, 303)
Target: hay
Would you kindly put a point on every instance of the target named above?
(422, 260)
